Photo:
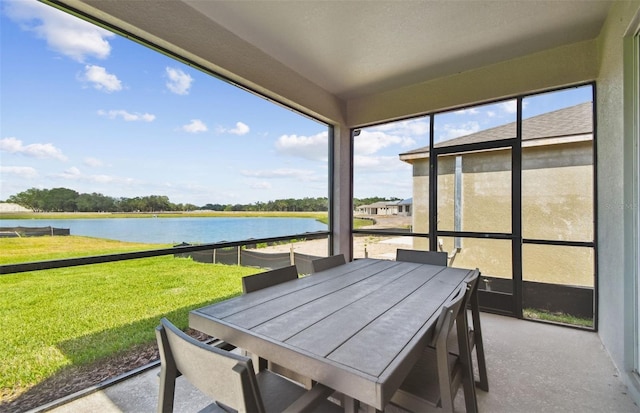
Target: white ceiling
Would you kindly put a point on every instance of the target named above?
(353, 48)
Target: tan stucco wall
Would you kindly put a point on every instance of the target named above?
(614, 318)
(557, 204)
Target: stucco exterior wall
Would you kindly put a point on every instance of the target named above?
(613, 320)
(557, 204)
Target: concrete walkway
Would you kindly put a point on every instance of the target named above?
(533, 367)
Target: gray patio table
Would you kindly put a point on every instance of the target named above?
(357, 328)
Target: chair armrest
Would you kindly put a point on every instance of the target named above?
(310, 400)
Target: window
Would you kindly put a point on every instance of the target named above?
(508, 187)
(387, 191)
(123, 128)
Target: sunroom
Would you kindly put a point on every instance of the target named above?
(361, 66)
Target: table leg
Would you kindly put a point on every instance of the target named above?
(350, 404)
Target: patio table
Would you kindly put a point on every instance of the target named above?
(357, 328)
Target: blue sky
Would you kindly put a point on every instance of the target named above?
(85, 109)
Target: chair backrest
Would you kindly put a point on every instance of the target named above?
(266, 279)
(328, 262)
(448, 315)
(472, 282)
(422, 257)
(226, 377)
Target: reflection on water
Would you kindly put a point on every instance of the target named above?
(177, 230)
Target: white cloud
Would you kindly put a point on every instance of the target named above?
(379, 164)
(470, 111)
(240, 129)
(407, 128)
(71, 173)
(129, 117)
(101, 79)
(20, 171)
(452, 131)
(65, 34)
(105, 179)
(282, 173)
(93, 162)
(34, 150)
(196, 126)
(307, 147)
(179, 82)
(372, 141)
(75, 174)
(260, 185)
(510, 106)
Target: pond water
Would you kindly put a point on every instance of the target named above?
(177, 230)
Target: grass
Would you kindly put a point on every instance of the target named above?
(28, 249)
(75, 316)
(359, 222)
(562, 318)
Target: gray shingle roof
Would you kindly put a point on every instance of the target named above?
(574, 120)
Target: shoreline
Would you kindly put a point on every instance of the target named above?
(166, 214)
(373, 246)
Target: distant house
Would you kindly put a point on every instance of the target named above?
(404, 207)
(386, 208)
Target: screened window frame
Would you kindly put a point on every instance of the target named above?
(515, 144)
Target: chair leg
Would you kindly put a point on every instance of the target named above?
(468, 385)
(167, 389)
(477, 331)
(259, 363)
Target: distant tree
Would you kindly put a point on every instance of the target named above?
(95, 203)
(213, 207)
(184, 207)
(372, 200)
(61, 200)
(156, 203)
(31, 198)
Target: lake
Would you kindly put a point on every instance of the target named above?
(176, 230)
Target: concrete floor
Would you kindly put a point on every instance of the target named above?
(533, 367)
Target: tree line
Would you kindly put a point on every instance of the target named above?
(68, 200)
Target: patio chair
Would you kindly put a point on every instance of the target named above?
(474, 330)
(229, 379)
(475, 333)
(325, 263)
(438, 374)
(265, 279)
(422, 257)
(257, 282)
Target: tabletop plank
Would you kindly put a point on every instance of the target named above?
(375, 346)
(355, 316)
(322, 286)
(246, 301)
(291, 323)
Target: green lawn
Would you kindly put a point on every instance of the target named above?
(74, 316)
(30, 249)
(536, 314)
